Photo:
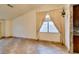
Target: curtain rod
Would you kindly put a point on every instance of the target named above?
(52, 10)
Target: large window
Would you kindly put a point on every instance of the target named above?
(48, 25)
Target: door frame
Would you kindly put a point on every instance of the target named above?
(71, 29)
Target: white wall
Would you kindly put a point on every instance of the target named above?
(25, 25)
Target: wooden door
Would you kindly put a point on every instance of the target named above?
(76, 28)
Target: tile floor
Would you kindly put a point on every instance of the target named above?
(25, 46)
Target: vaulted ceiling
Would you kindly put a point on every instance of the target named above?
(7, 12)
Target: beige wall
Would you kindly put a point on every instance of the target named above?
(67, 27)
(8, 28)
(49, 7)
(25, 25)
(55, 37)
(2, 28)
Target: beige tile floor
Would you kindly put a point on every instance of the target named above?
(25, 46)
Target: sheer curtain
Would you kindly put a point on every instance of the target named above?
(58, 20)
(39, 21)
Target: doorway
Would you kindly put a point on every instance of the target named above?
(76, 28)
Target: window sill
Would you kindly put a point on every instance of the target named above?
(50, 32)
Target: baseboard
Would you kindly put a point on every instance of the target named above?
(3, 37)
(50, 41)
(37, 40)
(23, 38)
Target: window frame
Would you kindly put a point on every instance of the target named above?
(48, 26)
